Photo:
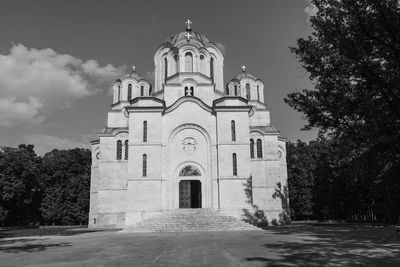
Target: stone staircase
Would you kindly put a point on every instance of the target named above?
(190, 220)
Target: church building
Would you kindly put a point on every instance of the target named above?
(188, 141)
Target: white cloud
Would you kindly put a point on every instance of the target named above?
(45, 143)
(33, 81)
(20, 113)
(310, 9)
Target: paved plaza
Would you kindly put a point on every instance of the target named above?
(295, 245)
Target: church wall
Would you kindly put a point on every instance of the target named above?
(260, 118)
(232, 194)
(94, 180)
(116, 119)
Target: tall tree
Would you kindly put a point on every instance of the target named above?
(353, 58)
(66, 182)
(20, 192)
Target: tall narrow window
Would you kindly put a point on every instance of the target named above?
(176, 64)
(251, 148)
(188, 62)
(235, 88)
(227, 90)
(126, 149)
(233, 130)
(259, 149)
(202, 64)
(144, 169)
(212, 69)
(258, 92)
(165, 69)
(234, 164)
(145, 131)
(119, 150)
(142, 90)
(129, 91)
(119, 92)
(247, 90)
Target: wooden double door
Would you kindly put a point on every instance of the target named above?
(190, 194)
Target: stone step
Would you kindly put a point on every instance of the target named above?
(190, 220)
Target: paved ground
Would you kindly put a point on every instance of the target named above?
(295, 245)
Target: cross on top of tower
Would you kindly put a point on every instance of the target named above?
(188, 22)
(188, 35)
(243, 68)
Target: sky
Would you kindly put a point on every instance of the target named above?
(58, 59)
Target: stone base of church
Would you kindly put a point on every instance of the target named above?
(130, 218)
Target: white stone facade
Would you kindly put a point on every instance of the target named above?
(193, 128)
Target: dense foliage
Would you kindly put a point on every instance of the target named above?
(353, 58)
(53, 189)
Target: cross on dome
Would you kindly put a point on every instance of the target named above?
(243, 68)
(188, 35)
(133, 69)
(188, 22)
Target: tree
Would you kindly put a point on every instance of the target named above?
(353, 58)
(20, 192)
(66, 183)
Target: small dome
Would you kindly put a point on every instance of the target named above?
(182, 36)
(132, 74)
(245, 75)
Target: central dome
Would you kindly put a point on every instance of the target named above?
(173, 39)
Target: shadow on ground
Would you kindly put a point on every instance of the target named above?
(325, 245)
(26, 245)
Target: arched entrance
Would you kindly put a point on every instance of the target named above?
(189, 189)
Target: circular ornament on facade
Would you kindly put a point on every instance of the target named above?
(98, 155)
(126, 114)
(189, 144)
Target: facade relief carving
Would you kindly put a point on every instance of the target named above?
(189, 144)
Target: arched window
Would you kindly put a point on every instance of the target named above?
(189, 170)
(129, 91)
(258, 92)
(202, 64)
(176, 64)
(142, 90)
(247, 90)
(188, 62)
(119, 150)
(212, 69)
(119, 92)
(234, 164)
(165, 68)
(233, 130)
(145, 131)
(259, 149)
(227, 90)
(144, 169)
(235, 88)
(251, 148)
(189, 91)
(126, 149)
